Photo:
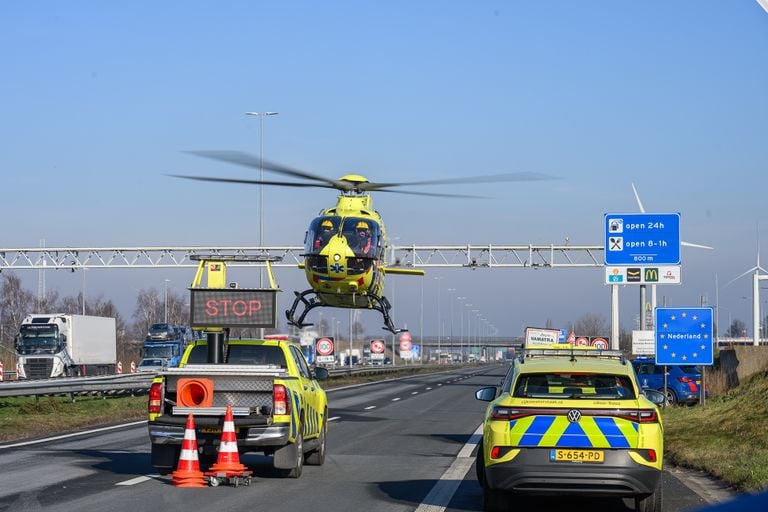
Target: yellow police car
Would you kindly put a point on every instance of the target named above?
(571, 421)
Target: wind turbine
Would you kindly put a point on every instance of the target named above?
(756, 278)
(653, 287)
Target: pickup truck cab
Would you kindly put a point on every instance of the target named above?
(278, 405)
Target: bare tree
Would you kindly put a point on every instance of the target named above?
(358, 330)
(178, 309)
(15, 304)
(591, 324)
(148, 310)
(737, 329)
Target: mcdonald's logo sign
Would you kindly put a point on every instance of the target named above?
(651, 275)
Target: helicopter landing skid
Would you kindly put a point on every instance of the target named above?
(310, 301)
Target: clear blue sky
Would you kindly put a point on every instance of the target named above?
(100, 99)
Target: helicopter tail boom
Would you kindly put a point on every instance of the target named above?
(402, 271)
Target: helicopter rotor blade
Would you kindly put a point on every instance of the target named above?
(250, 182)
(491, 178)
(248, 160)
(432, 194)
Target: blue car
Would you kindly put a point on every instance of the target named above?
(683, 382)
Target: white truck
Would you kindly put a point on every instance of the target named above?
(62, 345)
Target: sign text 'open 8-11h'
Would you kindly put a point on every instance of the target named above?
(642, 238)
(684, 336)
(232, 307)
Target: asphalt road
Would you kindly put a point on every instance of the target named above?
(399, 445)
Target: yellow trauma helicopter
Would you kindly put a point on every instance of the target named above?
(344, 246)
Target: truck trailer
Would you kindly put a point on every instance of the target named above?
(62, 345)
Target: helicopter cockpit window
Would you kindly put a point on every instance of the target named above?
(320, 232)
(362, 236)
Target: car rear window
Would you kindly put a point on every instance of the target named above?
(597, 386)
(242, 354)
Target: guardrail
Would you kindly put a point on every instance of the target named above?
(134, 383)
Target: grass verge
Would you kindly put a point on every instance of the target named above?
(28, 418)
(726, 438)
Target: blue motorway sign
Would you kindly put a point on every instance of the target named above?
(642, 239)
(684, 336)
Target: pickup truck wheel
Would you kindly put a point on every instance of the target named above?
(165, 457)
(317, 456)
(295, 471)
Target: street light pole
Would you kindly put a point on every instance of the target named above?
(261, 171)
(439, 322)
(450, 295)
(84, 269)
(261, 191)
(165, 288)
(461, 332)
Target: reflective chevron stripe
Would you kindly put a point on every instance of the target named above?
(589, 432)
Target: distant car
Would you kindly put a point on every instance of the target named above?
(151, 364)
(161, 331)
(683, 382)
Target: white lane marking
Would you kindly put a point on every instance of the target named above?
(138, 480)
(75, 434)
(370, 407)
(334, 418)
(439, 384)
(440, 495)
(395, 399)
(429, 389)
(415, 393)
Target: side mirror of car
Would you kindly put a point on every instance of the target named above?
(655, 396)
(486, 394)
(321, 373)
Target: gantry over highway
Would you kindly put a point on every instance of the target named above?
(409, 256)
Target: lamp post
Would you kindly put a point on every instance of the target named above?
(261, 192)
(450, 331)
(261, 170)
(421, 323)
(469, 330)
(165, 294)
(84, 269)
(439, 322)
(461, 331)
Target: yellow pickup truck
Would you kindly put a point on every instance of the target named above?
(278, 405)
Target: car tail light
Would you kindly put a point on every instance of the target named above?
(498, 452)
(649, 455)
(691, 383)
(515, 413)
(639, 415)
(155, 403)
(280, 400)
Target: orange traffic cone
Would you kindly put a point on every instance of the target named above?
(188, 472)
(228, 460)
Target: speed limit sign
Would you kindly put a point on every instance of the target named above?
(405, 341)
(377, 346)
(324, 347)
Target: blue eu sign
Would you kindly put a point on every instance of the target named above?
(642, 239)
(684, 336)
